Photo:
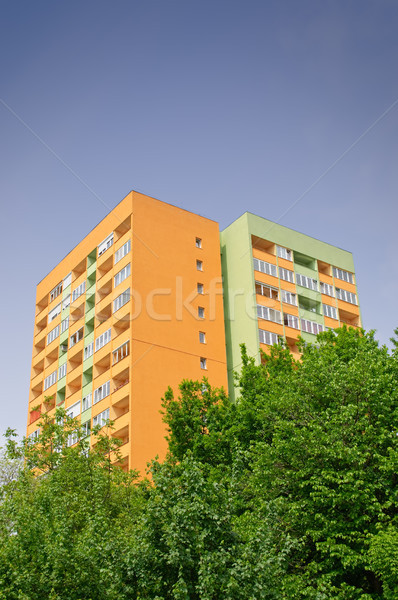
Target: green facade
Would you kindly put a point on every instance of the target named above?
(241, 323)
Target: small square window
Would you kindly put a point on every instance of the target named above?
(200, 288)
(202, 337)
(199, 265)
(198, 242)
(203, 363)
(201, 312)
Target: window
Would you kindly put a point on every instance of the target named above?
(199, 265)
(203, 363)
(73, 438)
(34, 435)
(85, 429)
(198, 242)
(289, 298)
(329, 311)
(107, 243)
(73, 411)
(102, 392)
(266, 337)
(88, 351)
(311, 326)
(286, 275)
(56, 292)
(77, 292)
(62, 371)
(202, 337)
(64, 324)
(76, 337)
(263, 312)
(103, 339)
(291, 321)
(200, 288)
(264, 267)
(54, 313)
(54, 333)
(201, 312)
(67, 281)
(122, 275)
(121, 352)
(344, 275)
(125, 249)
(307, 282)
(66, 302)
(346, 296)
(267, 291)
(101, 419)
(121, 300)
(50, 380)
(327, 289)
(86, 402)
(284, 253)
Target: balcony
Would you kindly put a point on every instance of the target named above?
(104, 264)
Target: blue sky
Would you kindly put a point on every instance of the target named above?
(218, 107)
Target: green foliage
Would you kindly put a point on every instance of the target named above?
(290, 493)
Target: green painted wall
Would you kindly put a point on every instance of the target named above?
(241, 324)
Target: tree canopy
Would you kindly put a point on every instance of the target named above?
(288, 493)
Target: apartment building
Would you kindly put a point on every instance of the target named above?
(135, 307)
(279, 283)
(138, 305)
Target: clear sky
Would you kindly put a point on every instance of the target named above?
(282, 108)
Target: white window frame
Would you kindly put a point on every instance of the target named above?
(105, 244)
(284, 253)
(50, 380)
(66, 302)
(264, 267)
(330, 311)
(52, 335)
(103, 339)
(122, 251)
(102, 392)
(200, 288)
(121, 352)
(289, 298)
(291, 321)
(202, 337)
(121, 300)
(76, 337)
(201, 312)
(64, 324)
(262, 289)
(286, 274)
(77, 292)
(307, 282)
(269, 314)
(102, 418)
(73, 411)
(203, 363)
(85, 428)
(199, 265)
(343, 275)
(327, 289)
(346, 296)
(122, 275)
(198, 242)
(56, 292)
(88, 351)
(54, 313)
(86, 402)
(62, 371)
(268, 338)
(311, 326)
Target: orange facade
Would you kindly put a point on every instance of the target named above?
(151, 314)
